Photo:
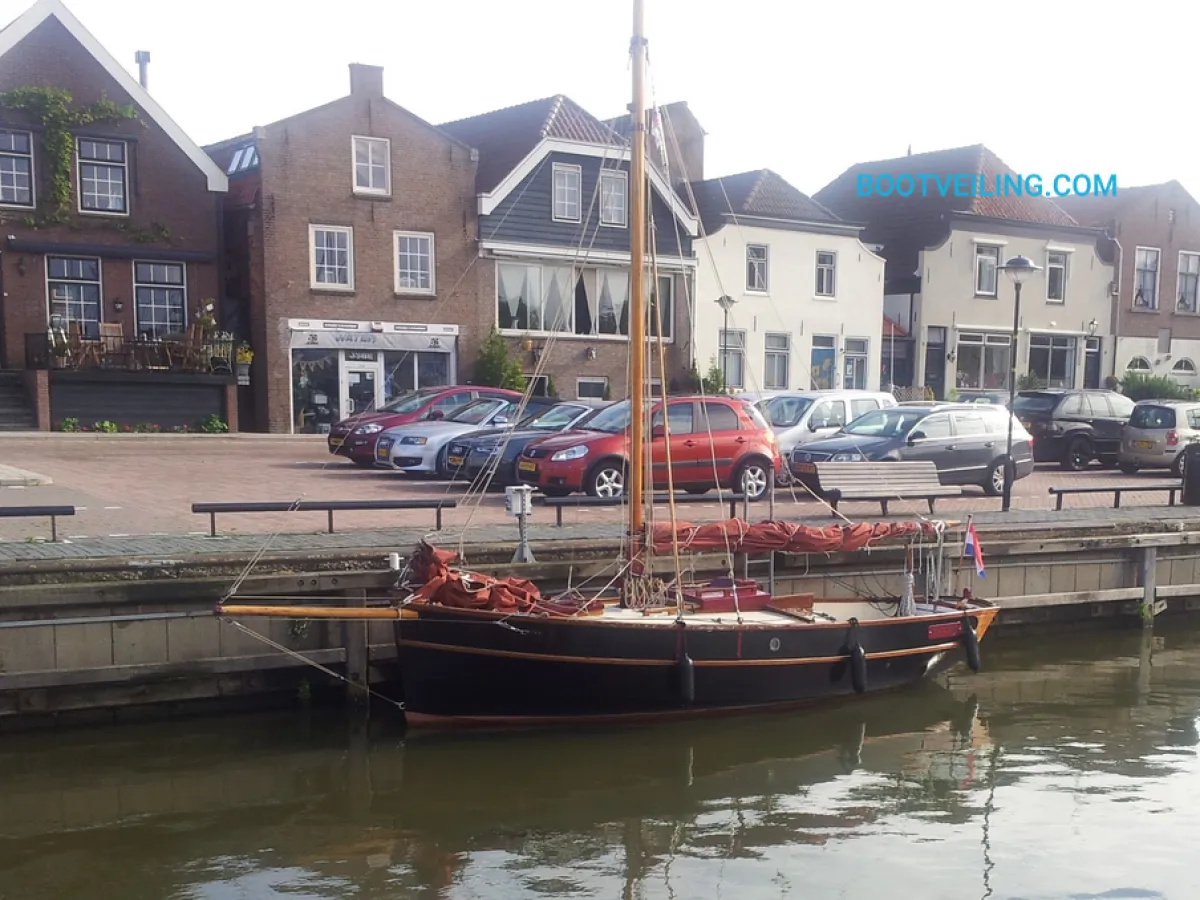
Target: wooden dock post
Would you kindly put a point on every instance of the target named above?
(1148, 606)
(354, 639)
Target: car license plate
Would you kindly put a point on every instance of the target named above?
(1144, 445)
(806, 468)
(526, 466)
(381, 452)
(336, 442)
(455, 461)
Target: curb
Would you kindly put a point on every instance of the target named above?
(11, 476)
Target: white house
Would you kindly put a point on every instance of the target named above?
(787, 296)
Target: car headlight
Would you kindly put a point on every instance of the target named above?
(848, 456)
(418, 441)
(373, 428)
(570, 453)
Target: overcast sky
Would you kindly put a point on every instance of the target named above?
(805, 89)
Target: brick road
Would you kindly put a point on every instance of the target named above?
(145, 485)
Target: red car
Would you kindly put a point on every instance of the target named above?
(714, 441)
(354, 437)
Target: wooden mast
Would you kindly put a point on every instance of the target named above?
(637, 274)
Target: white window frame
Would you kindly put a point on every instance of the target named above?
(770, 353)
(985, 252)
(12, 154)
(1144, 367)
(397, 236)
(856, 355)
(1181, 369)
(1179, 306)
(1157, 277)
(80, 162)
(99, 282)
(622, 178)
(566, 169)
(765, 260)
(601, 380)
(182, 287)
(370, 191)
(312, 259)
(1065, 267)
(829, 269)
(735, 348)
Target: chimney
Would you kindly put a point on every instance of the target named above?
(685, 142)
(366, 81)
(142, 57)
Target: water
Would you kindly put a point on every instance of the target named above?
(1066, 769)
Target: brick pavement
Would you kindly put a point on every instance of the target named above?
(135, 488)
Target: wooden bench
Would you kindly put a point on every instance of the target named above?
(326, 506)
(1172, 488)
(28, 512)
(881, 482)
(557, 503)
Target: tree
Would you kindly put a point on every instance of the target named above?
(714, 381)
(495, 368)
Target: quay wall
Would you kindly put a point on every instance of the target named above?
(114, 640)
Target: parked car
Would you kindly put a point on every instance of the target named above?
(419, 448)
(714, 441)
(1072, 428)
(1157, 434)
(965, 441)
(354, 437)
(970, 395)
(802, 416)
(475, 453)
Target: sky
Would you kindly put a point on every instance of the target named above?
(801, 88)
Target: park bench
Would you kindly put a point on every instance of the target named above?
(557, 503)
(1171, 488)
(326, 506)
(31, 512)
(880, 482)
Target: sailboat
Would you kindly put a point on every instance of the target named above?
(474, 649)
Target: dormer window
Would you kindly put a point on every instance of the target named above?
(614, 189)
(567, 192)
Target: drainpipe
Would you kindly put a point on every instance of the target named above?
(1117, 302)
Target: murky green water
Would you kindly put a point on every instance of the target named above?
(1067, 769)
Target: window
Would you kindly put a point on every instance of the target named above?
(661, 305)
(1184, 367)
(613, 193)
(1189, 282)
(1056, 277)
(73, 287)
(332, 255)
(855, 364)
(1072, 405)
(1120, 406)
(414, 263)
(1145, 279)
(534, 298)
(160, 296)
(372, 165)
(987, 259)
(826, 273)
(16, 168)
(1139, 364)
(969, 424)
(103, 176)
(775, 365)
(591, 387)
(566, 192)
(757, 268)
(828, 414)
(1052, 360)
(539, 383)
(719, 417)
(861, 407)
(733, 358)
(936, 428)
(983, 360)
(822, 361)
(680, 418)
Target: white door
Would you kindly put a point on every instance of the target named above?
(362, 387)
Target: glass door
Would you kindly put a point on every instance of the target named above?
(362, 387)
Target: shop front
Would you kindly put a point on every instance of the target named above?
(344, 367)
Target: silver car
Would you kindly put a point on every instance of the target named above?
(799, 417)
(1157, 433)
(419, 448)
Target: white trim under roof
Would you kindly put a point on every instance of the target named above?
(24, 25)
(583, 258)
(989, 242)
(1058, 248)
(489, 201)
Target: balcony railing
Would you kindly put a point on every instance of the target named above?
(193, 353)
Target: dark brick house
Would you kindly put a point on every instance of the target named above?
(1154, 244)
(350, 234)
(553, 211)
(110, 241)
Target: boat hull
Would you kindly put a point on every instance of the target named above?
(471, 667)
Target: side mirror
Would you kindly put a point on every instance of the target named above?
(500, 420)
(436, 414)
(916, 436)
(817, 424)
(658, 431)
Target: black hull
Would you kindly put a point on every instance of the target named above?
(466, 668)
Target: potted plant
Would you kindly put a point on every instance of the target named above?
(245, 356)
(204, 315)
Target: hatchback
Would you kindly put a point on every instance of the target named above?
(714, 441)
(1157, 434)
(799, 417)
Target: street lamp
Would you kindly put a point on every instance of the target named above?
(1019, 268)
(726, 303)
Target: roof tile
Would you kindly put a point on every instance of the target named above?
(759, 193)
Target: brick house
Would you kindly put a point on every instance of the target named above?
(110, 244)
(350, 233)
(553, 208)
(1154, 243)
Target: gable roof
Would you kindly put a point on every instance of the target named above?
(1101, 211)
(841, 194)
(506, 136)
(21, 27)
(761, 194)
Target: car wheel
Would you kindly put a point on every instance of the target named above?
(1129, 468)
(1078, 454)
(753, 479)
(1178, 465)
(994, 484)
(607, 480)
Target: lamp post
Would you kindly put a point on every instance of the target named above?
(1019, 268)
(726, 303)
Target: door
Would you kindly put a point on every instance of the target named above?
(362, 385)
(825, 418)
(720, 454)
(688, 445)
(935, 369)
(1110, 413)
(935, 442)
(974, 448)
(1091, 364)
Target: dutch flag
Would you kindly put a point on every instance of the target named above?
(976, 552)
